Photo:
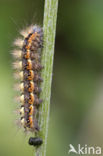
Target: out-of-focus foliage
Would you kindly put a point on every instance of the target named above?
(76, 102)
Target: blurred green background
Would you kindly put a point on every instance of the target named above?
(77, 91)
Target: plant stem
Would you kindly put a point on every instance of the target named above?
(49, 29)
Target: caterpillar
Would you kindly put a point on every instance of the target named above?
(27, 66)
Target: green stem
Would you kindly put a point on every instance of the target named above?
(49, 29)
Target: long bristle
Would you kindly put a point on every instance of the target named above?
(18, 42)
(30, 29)
(24, 33)
(17, 54)
(21, 111)
(18, 122)
(19, 99)
(17, 65)
(18, 75)
(23, 121)
(19, 87)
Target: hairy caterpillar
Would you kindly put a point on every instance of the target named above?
(27, 65)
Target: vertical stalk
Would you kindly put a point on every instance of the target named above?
(49, 29)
